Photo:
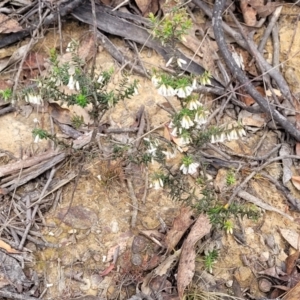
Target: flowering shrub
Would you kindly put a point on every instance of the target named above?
(71, 83)
(188, 127)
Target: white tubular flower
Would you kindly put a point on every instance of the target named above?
(27, 97)
(222, 138)
(213, 139)
(186, 122)
(162, 90)
(157, 183)
(241, 132)
(100, 79)
(77, 86)
(174, 132)
(181, 62)
(194, 104)
(181, 93)
(184, 140)
(184, 92)
(189, 90)
(170, 91)
(205, 80)
(155, 81)
(58, 82)
(34, 99)
(232, 135)
(136, 91)
(169, 154)
(152, 149)
(36, 139)
(169, 61)
(69, 47)
(71, 83)
(190, 169)
(194, 84)
(200, 118)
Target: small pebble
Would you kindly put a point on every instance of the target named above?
(229, 283)
(264, 285)
(139, 243)
(136, 259)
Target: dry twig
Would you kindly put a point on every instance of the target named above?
(242, 78)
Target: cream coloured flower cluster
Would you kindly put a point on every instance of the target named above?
(167, 90)
(229, 135)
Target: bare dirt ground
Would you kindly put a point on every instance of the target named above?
(99, 215)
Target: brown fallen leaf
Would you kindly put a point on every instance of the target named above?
(291, 261)
(247, 99)
(265, 10)
(8, 248)
(33, 65)
(291, 236)
(247, 58)
(204, 49)
(180, 225)
(287, 163)
(62, 115)
(186, 267)
(167, 134)
(167, 264)
(297, 149)
(293, 294)
(249, 13)
(147, 6)
(296, 182)
(8, 25)
(87, 47)
(275, 272)
(107, 270)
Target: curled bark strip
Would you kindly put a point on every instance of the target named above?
(241, 77)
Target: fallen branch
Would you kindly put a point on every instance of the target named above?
(33, 172)
(241, 77)
(134, 203)
(23, 164)
(253, 173)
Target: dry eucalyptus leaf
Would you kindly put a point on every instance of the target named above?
(291, 236)
(275, 272)
(250, 119)
(203, 49)
(8, 25)
(62, 115)
(180, 225)
(249, 13)
(186, 268)
(265, 10)
(167, 264)
(296, 182)
(17, 55)
(297, 148)
(7, 247)
(287, 163)
(147, 6)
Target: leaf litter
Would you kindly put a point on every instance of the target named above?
(183, 233)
